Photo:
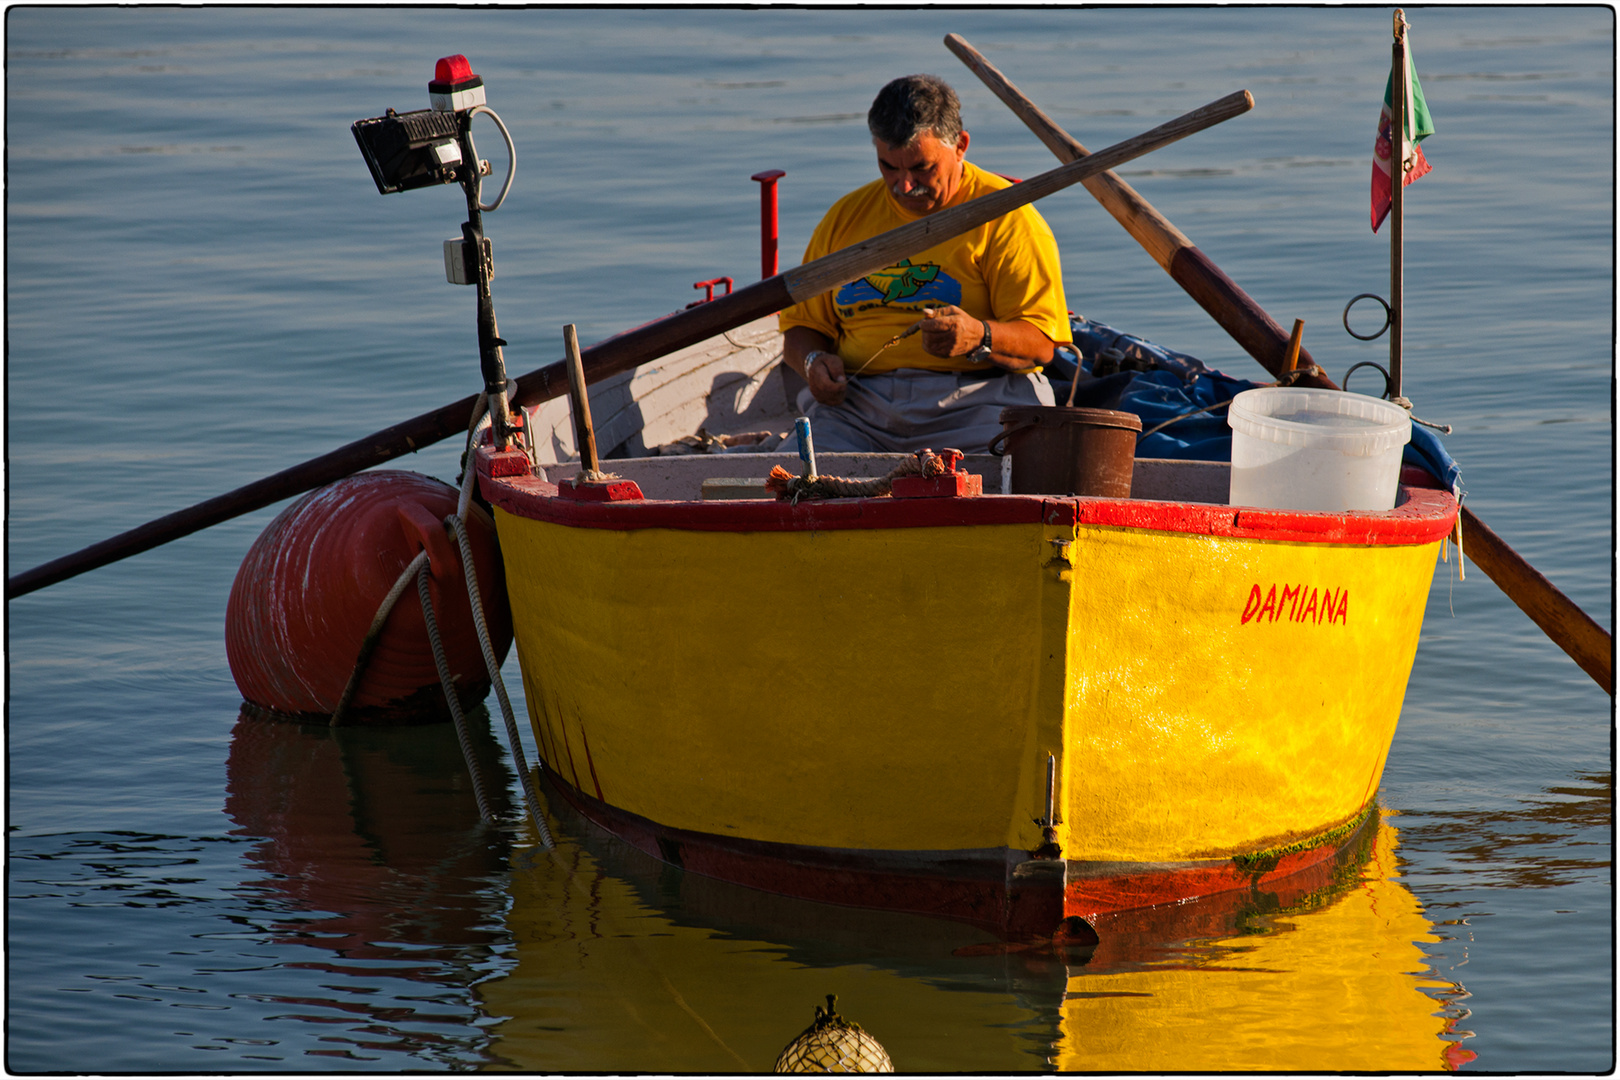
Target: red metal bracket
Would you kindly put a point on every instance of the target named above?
(948, 484)
(609, 491)
(708, 287)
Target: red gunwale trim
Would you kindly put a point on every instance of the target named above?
(1422, 514)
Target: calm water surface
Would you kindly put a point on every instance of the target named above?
(203, 287)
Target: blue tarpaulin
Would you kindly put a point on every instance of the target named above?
(1157, 384)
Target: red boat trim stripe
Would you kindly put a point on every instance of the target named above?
(1422, 514)
(970, 886)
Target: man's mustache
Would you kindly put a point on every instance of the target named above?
(918, 191)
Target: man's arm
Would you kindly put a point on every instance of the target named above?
(1014, 346)
(825, 373)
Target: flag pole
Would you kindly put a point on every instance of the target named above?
(1399, 97)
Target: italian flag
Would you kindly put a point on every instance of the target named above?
(1419, 126)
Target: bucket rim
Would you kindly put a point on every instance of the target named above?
(1054, 415)
(1390, 425)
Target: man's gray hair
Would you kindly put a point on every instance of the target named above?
(912, 105)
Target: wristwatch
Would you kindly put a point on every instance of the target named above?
(981, 355)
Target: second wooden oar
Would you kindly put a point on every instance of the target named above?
(1231, 307)
(632, 348)
(1570, 628)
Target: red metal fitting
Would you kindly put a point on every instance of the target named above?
(612, 491)
(950, 457)
(946, 485)
(708, 287)
(767, 220)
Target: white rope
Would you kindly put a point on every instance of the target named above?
(475, 599)
(450, 695)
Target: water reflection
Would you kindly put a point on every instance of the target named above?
(375, 859)
(1556, 838)
(1327, 976)
(625, 963)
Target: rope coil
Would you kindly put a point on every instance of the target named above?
(786, 486)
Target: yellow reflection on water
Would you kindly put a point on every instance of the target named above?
(606, 980)
(1332, 983)
(622, 963)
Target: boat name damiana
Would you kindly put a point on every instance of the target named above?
(1295, 604)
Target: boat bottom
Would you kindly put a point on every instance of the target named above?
(1002, 890)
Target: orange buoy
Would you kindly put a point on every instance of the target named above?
(310, 586)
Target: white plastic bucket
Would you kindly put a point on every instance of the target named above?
(1295, 448)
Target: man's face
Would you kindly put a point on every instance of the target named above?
(925, 175)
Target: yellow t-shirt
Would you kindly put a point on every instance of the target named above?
(1007, 270)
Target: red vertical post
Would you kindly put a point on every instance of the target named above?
(767, 220)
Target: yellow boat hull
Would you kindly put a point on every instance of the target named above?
(1003, 709)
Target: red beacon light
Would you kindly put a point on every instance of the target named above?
(454, 87)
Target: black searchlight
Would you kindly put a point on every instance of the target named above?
(410, 150)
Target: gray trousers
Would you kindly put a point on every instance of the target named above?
(907, 410)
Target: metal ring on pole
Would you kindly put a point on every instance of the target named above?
(1389, 317)
(1388, 383)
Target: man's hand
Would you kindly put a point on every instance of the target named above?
(825, 374)
(950, 331)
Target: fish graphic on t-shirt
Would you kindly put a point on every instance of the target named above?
(904, 281)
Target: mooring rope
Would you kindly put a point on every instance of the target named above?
(785, 485)
(475, 600)
(450, 695)
(368, 644)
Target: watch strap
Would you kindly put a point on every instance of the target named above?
(981, 355)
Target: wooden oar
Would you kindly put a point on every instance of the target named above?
(1576, 632)
(629, 349)
(1587, 643)
(1231, 307)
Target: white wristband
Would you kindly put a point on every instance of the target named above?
(810, 359)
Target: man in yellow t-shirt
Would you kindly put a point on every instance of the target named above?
(989, 304)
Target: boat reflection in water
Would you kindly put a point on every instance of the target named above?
(375, 859)
(627, 963)
(1327, 975)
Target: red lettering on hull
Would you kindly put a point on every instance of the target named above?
(1296, 603)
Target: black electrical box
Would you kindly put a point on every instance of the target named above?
(409, 150)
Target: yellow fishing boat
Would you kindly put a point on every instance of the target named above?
(1003, 709)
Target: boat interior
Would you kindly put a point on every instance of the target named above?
(664, 426)
(742, 476)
